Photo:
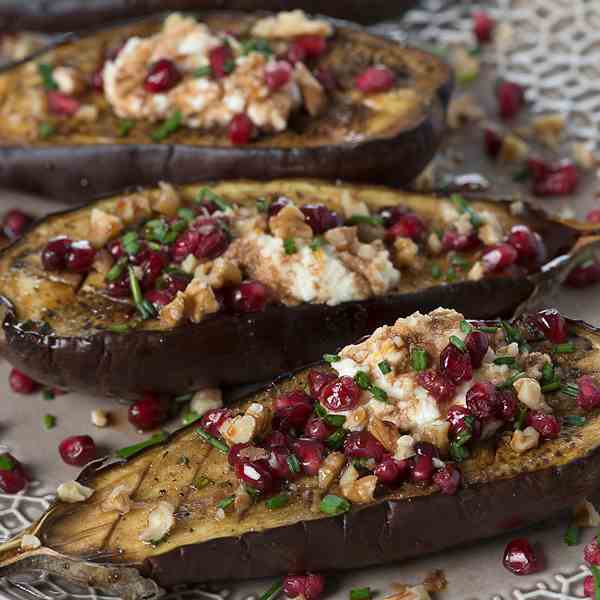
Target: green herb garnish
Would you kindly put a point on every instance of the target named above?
(336, 439)
(320, 411)
(379, 394)
(450, 275)
(571, 390)
(130, 243)
(289, 246)
(45, 71)
(488, 329)
(511, 334)
(6, 463)
(293, 463)
(463, 206)
(124, 127)
(212, 440)
(511, 380)
(572, 535)
(575, 420)
(360, 593)
(45, 130)
(465, 326)
(190, 417)
(521, 416)
(316, 243)
(48, 394)
(505, 360)
(551, 387)
(202, 482)
(226, 502)
(49, 422)
(596, 574)
(547, 373)
(169, 126)
(335, 420)
(419, 359)
(384, 367)
(334, 505)
(201, 72)
(460, 261)
(262, 205)
(118, 328)
(458, 343)
(366, 219)
(116, 270)
(458, 450)
(128, 451)
(331, 358)
(256, 45)
(273, 591)
(278, 501)
(362, 380)
(436, 271)
(566, 348)
(187, 214)
(207, 195)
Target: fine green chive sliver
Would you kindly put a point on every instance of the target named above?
(128, 451)
(213, 441)
(6, 464)
(566, 348)
(362, 380)
(331, 358)
(575, 420)
(596, 573)
(49, 422)
(226, 502)
(46, 129)
(465, 326)
(273, 591)
(293, 463)
(278, 501)
(384, 367)
(572, 535)
(45, 72)
(360, 593)
(334, 505)
(289, 245)
(366, 219)
(418, 359)
(456, 341)
(168, 127)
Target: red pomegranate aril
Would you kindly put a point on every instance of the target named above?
(584, 275)
(422, 471)
(546, 425)
(362, 444)
(589, 587)
(483, 26)
(439, 386)
(250, 296)
(309, 586)
(591, 553)
(562, 180)
(97, 79)
(15, 479)
(77, 450)
(212, 245)
(120, 288)
(318, 429)
(159, 298)
(326, 77)
(407, 226)
(310, 453)
(278, 463)
(311, 46)
(162, 76)
(523, 240)
(482, 400)
(317, 380)
(552, 324)
(241, 130)
(507, 405)
(477, 343)
(510, 98)
(185, 244)
(79, 257)
(452, 240)
(390, 471)
(275, 438)
(392, 214)
(221, 61)
(277, 205)
(341, 394)
(214, 419)
(277, 74)
(448, 479)
(115, 248)
(492, 141)
(593, 216)
(147, 413)
(375, 80)
(589, 393)
(499, 257)
(21, 383)
(320, 218)
(427, 449)
(457, 418)
(15, 223)
(61, 104)
(152, 269)
(233, 456)
(455, 364)
(54, 255)
(292, 410)
(520, 558)
(256, 474)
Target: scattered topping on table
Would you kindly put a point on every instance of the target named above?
(483, 26)
(511, 99)
(73, 491)
(309, 586)
(13, 478)
(21, 383)
(77, 450)
(99, 417)
(147, 413)
(15, 222)
(30, 542)
(520, 558)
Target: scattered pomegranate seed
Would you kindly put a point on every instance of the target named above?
(523, 240)
(362, 444)
(341, 394)
(455, 364)
(213, 420)
(427, 449)
(21, 383)
(221, 61)
(520, 558)
(77, 450)
(594, 216)
(185, 244)
(584, 275)
(375, 80)
(551, 323)
(546, 425)
(250, 296)
(437, 384)
(256, 474)
(589, 587)
(120, 288)
(309, 46)
(212, 245)
(390, 470)
(482, 399)
(510, 98)
(591, 553)
(15, 223)
(589, 393)
(152, 268)
(499, 257)
(241, 129)
(61, 104)
(448, 479)
(408, 226)
(310, 454)
(317, 380)
(483, 26)
(493, 142)
(13, 479)
(147, 413)
(277, 205)
(275, 438)
(292, 410)
(233, 456)
(507, 405)
(320, 218)
(457, 417)
(561, 179)
(452, 240)
(79, 257)
(477, 343)
(422, 470)
(162, 76)
(326, 77)
(115, 248)
(278, 463)
(159, 298)
(277, 74)
(318, 429)
(54, 255)
(309, 586)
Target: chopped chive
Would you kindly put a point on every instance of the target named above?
(46, 73)
(273, 591)
(226, 502)
(551, 387)
(463, 206)
(256, 45)
(116, 270)
(571, 389)
(252, 491)
(575, 420)
(187, 214)
(49, 422)
(548, 372)
(458, 452)
(335, 420)
(596, 574)
(202, 482)
(48, 394)
(460, 261)
(289, 246)
(511, 380)
(334, 505)
(465, 326)
(512, 334)
(419, 359)
(124, 127)
(336, 439)
(6, 463)
(362, 380)
(366, 219)
(521, 416)
(128, 451)
(572, 535)
(360, 593)
(505, 360)
(136, 290)
(384, 367)
(168, 127)
(293, 463)
(130, 242)
(436, 272)
(207, 195)
(118, 328)
(212, 440)
(262, 205)
(229, 66)
(458, 343)
(320, 411)
(331, 358)
(316, 243)
(379, 394)
(488, 329)
(190, 417)
(566, 348)
(278, 501)
(205, 71)
(450, 275)
(46, 130)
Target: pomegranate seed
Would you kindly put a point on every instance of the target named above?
(452, 240)
(375, 80)
(362, 444)
(61, 104)
(584, 275)
(456, 364)
(277, 74)
(439, 386)
(482, 400)
(427, 449)
(520, 558)
(277, 205)
(507, 405)
(317, 380)
(152, 268)
(326, 77)
(483, 26)
(162, 76)
(309, 46)
(21, 383)
(390, 470)
(256, 474)
(589, 587)
(15, 223)
(448, 479)
(77, 450)
(221, 61)
(185, 244)
(510, 98)
(278, 463)
(115, 249)
(309, 586)
(562, 180)
(408, 226)
(250, 296)
(477, 343)
(589, 393)
(341, 394)
(320, 218)
(546, 425)
(493, 142)
(551, 323)
(499, 257)
(97, 79)
(233, 456)
(147, 413)
(523, 240)
(212, 245)
(318, 429)
(310, 454)
(392, 214)
(457, 417)
(79, 257)
(213, 420)
(13, 479)
(593, 216)
(591, 553)
(423, 470)
(159, 298)
(241, 129)
(120, 288)
(275, 438)
(292, 410)
(54, 255)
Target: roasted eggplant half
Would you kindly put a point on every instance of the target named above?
(73, 15)
(234, 282)
(433, 432)
(219, 95)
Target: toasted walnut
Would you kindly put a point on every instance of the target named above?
(513, 149)
(86, 112)
(462, 110)
(189, 264)
(118, 500)
(133, 208)
(583, 155)
(262, 416)
(529, 393)
(405, 447)
(517, 208)
(361, 490)
(349, 475)
(160, 521)
(103, 262)
(172, 314)
(416, 592)
(386, 434)
(224, 272)
(476, 272)
(434, 243)
(586, 515)
(342, 238)
(239, 430)
(511, 350)
(357, 420)
(99, 418)
(312, 91)
(352, 205)
(30, 542)
(253, 453)
(70, 81)
(103, 227)
(290, 24)
(548, 129)
(491, 231)
(463, 224)
(168, 200)
(73, 491)
(436, 433)
(205, 400)
(330, 468)
(199, 301)
(524, 440)
(242, 501)
(289, 222)
(406, 253)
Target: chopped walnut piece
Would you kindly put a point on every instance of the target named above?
(312, 91)
(99, 417)
(168, 200)
(330, 468)
(239, 430)
(160, 521)
(434, 244)
(73, 491)
(103, 227)
(436, 433)
(548, 129)
(361, 490)
(524, 440)
(290, 24)
(405, 447)
(584, 156)
(513, 149)
(103, 262)
(476, 272)
(491, 232)
(30, 542)
(406, 254)
(118, 500)
(189, 264)
(386, 434)
(70, 81)
(289, 222)
(342, 238)
(416, 592)
(352, 205)
(86, 112)
(349, 475)
(199, 301)
(253, 453)
(529, 393)
(586, 515)
(463, 110)
(133, 208)
(224, 272)
(357, 420)
(262, 416)
(242, 501)
(517, 207)
(172, 314)
(533, 363)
